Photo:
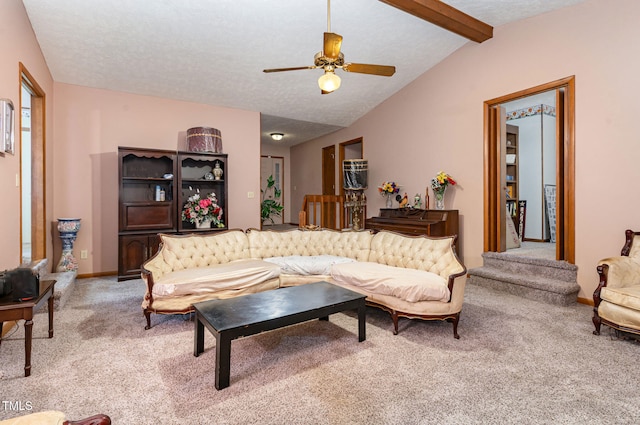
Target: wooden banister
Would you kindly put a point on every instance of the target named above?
(326, 211)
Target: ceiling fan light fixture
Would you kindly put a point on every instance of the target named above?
(277, 136)
(329, 82)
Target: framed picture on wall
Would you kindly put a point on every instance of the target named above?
(6, 126)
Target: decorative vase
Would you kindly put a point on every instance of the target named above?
(203, 223)
(217, 171)
(68, 229)
(440, 198)
(389, 201)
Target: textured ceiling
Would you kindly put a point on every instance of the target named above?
(214, 51)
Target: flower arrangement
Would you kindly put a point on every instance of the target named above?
(202, 209)
(440, 182)
(388, 188)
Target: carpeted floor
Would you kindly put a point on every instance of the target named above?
(518, 362)
(543, 250)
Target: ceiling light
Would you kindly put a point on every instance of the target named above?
(277, 136)
(329, 81)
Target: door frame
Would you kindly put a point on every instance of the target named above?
(38, 164)
(494, 179)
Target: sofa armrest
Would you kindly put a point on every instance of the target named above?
(460, 279)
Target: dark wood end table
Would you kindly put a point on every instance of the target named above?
(16, 310)
(231, 318)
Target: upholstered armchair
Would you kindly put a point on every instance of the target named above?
(53, 417)
(617, 298)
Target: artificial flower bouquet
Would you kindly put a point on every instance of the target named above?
(202, 209)
(388, 188)
(440, 182)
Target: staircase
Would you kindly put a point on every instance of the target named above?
(65, 282)
(553, 282)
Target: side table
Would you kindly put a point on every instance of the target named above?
(17, 310)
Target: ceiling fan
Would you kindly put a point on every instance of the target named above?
(331, 58)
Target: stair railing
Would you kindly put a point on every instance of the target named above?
(325, 211)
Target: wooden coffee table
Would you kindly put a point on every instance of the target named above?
(17, 310)
(246, 315)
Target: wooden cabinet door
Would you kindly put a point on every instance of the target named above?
(134, 250)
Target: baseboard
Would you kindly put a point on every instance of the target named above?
(586, 301)
(99, 274)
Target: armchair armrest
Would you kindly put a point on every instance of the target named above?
(93, 420)
(620, 271)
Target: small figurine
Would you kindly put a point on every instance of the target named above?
(404, 201)
(217, 171)
(417, 201)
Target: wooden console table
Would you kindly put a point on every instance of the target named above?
(16, 310)
(414, 222)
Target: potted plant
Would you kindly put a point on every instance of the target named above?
(270, 205)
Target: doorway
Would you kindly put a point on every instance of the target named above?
(33, 241)
(272, 166)
(352, 149)
(496, 186)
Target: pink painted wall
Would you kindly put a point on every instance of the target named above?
(91, 123)
(19, 45)
(436, 123)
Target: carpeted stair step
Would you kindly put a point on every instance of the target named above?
(554, 282)
(558, 270)
(65, 282)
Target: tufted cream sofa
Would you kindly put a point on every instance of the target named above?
(408, 276)
(617, 297)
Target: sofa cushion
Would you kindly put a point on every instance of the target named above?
(238, 274)
(408, 284)
(628, 296)
(308, 264)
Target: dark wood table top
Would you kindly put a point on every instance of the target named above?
(232, 313)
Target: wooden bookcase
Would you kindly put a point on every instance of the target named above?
(142, 214)
(512, 173)
(196, 175)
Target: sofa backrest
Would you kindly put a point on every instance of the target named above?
(179, 252)
(270, 243)
(435, 255)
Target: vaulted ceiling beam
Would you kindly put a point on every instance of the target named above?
(447, 17)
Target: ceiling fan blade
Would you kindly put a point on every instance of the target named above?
(288, 69)
(363, 68)
(332, 43)
(325, 92)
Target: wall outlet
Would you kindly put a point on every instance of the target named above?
(251, 195)
(84, 254)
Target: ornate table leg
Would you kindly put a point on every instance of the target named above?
(50, 306)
